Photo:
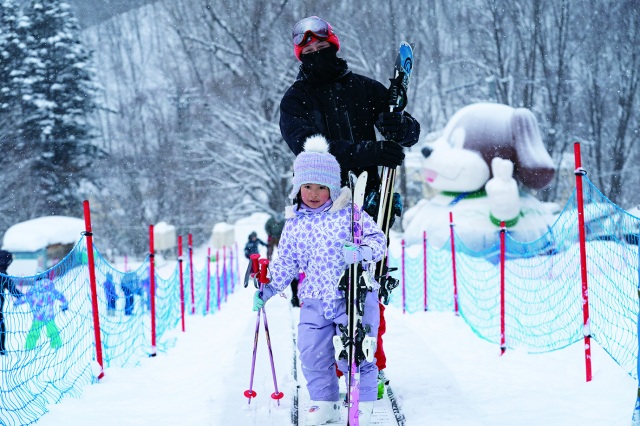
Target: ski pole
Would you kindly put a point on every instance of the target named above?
(264, 263)
(252, 271)
(250, 393)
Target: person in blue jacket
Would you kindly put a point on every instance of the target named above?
(252, 245)
(6, 284)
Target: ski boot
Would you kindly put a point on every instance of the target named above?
(365, 409)
(322, 412)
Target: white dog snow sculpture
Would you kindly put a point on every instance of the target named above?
(484, 152)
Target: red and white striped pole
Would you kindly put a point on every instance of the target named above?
(424, 266)
(152, 289)
(92, 284)
(453, 262)
(503, 230)
(193, 296)
(181, 281)
(579, 172)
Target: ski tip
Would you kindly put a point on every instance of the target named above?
(407, 47)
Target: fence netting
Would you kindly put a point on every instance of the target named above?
(49, 341)
(543, 282)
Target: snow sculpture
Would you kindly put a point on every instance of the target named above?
(486, 153)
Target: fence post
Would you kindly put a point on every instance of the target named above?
(424, 267)
(579, 172)
(235, 245)
(503, 230)
(453, 262)
(404, 286)
(208, 278)
(92, 284)
(193, 296)
(232, 270)
(152, 289)
(181, 281)
(635, 420)
(218, 276)
(224, 273)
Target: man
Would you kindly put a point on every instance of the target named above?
(327, 98)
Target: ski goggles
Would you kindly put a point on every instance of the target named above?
(310, 27)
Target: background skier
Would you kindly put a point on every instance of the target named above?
(41, 297)
(273, 228)
(252, 245)
(110, 294)
(6, 283)
(130, 286)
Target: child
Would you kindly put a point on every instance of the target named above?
(252, 245)
(41, 298)
(110, 294)
(317, 240)
(129, 286)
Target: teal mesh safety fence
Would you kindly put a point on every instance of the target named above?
(49, 343)
(543, 283)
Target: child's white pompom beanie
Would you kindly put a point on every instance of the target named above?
(316, 165)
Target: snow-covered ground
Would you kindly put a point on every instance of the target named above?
(441, 372)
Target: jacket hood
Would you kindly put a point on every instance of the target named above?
(340, 203)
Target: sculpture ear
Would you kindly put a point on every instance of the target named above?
(456, 140)
(534, 166)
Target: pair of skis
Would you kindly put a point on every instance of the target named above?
(354, 343)
(397, 102)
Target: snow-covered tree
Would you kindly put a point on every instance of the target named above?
(12, 54)
(57, 96)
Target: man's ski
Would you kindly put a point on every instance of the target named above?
(390, 203)
(394, 403)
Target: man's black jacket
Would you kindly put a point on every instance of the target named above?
(344, 112)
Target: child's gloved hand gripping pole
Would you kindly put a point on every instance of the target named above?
(262, 279)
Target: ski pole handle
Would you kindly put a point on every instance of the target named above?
(264, 265)
(262, 274)
(254, 263)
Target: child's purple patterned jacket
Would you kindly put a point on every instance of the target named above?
(313, 243)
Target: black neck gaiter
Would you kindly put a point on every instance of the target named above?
(323, 65)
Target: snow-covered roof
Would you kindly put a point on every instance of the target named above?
(35, 234)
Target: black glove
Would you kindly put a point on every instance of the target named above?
(393, 126)
(379, 153)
